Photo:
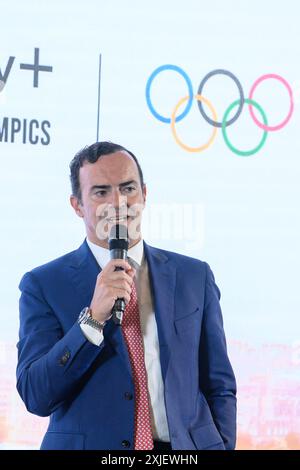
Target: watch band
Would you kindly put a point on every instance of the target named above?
(86, 318)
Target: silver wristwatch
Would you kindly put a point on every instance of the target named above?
(85, 318)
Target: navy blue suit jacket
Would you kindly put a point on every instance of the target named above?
(84, 388)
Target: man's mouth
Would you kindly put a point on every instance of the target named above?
(117, 220)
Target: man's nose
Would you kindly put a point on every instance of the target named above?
(118, 200)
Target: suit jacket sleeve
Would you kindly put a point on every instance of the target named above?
(51, 365)
(217, 377)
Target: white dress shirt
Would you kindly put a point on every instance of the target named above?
(149, 332)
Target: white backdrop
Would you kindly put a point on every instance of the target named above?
(241, 214)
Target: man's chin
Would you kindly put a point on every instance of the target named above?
(111, 225)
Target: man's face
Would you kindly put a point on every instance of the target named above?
(111, 194)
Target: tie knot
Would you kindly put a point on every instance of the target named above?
(133, 263)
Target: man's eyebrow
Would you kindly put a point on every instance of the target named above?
(100, 186)
(126, 183)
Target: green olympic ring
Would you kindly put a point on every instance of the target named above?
(244, 153)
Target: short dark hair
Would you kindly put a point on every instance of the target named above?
(91, 154)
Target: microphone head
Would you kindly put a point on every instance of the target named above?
(118, 238)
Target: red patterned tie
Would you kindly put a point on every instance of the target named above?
(131, 328)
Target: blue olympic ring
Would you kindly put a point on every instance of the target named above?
(190, 89)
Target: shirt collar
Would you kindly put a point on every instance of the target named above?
(102, 255)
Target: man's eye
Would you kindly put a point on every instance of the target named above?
(100, 193)
(129, 189)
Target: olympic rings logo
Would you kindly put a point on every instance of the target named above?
(239, 104)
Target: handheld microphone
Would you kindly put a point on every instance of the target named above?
(118, 247)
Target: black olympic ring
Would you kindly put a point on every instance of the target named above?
(241, 103)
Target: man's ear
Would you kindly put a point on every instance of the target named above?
(144, 193)
(77, 206)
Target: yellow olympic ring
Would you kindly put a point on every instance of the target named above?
(173, 117)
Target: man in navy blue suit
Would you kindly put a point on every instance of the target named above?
(75, 364)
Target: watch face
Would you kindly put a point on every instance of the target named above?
(83, 313)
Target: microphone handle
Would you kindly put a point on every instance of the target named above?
(119, 306)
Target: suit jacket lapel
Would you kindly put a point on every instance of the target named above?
(85, 270)
(162, 273)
